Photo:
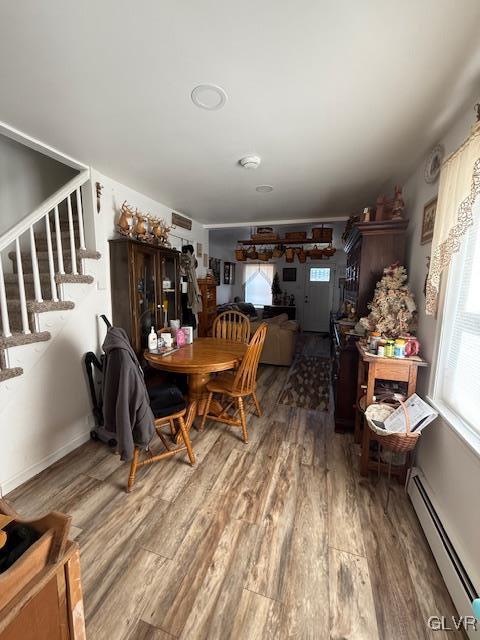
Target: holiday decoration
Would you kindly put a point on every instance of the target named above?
(392, 311)
(143, 227)
(276, 290)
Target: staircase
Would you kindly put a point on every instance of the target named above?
(41, 253)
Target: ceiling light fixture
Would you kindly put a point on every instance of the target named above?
(209, 97)
(264, 188)
(250, 162)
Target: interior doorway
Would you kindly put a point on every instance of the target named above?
(318, 301)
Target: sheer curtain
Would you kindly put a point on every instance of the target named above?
(458, 188)
(458, 374)
(257, 283)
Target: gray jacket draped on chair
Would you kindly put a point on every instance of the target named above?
(126, 405)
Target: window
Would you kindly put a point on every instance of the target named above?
(258, 284)
(457, 379)
(319, 274)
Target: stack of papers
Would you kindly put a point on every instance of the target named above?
(421, 414)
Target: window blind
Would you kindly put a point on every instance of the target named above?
(459, 358)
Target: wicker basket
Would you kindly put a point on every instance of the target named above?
(278, 252)
(315, 253)
(329, 251)
(296, 236)
(322, 234)
(289, 254)
(398, 442)
(264, 237)
(240, 255)
(302, 256)
(264, 255)
(252, 254)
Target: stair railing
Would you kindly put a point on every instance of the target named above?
(28, 225)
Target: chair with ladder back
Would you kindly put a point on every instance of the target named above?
(232, 325)
(238, 385)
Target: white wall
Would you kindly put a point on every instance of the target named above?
(451, 468)
(113, 195)
(46, 413)
(27, 178)
(222, 244)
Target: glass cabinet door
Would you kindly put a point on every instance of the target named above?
(145, 295)
(170, 294)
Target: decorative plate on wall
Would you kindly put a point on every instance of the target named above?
(434, 163)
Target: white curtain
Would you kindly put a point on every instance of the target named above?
(458, 188)
(251, 270)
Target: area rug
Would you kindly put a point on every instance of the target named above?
(308, 383)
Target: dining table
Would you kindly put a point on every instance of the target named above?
(199, 361)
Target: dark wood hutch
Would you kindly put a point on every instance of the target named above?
(145, 282)
(370, 247)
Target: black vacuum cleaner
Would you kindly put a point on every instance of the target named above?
(94, 370)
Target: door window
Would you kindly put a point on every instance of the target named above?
(319, 274)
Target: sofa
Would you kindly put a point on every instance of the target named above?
(279, 347)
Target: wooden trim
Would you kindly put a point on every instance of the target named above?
(75, 596)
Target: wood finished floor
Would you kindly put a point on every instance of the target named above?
(280, 538)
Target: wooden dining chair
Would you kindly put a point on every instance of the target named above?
(181, 436)
(235, 326)
(237, 386)
(232, 325)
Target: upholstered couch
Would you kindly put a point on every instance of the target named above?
(279, 346)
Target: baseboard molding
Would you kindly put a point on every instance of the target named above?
(12, 483)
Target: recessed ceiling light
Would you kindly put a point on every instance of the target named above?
(250, 162)
(209, 96)
(264, 188)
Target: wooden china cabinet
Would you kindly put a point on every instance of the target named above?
(145, 282)
(370, 247)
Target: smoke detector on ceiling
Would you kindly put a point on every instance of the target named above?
(250, 162)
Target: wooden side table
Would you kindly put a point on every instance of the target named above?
(370, 369)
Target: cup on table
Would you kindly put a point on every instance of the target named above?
(188, 331)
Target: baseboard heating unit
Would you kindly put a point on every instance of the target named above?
(459, 584)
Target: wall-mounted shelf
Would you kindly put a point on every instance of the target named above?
(253, 243)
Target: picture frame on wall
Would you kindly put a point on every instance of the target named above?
(205, 260)
(199, 249)
(214, 265)
(289, 274)
(228, 273)
(428, 221)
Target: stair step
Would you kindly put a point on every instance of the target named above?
(15, 316)
(41, 307)
(42, 258)
(12, 278)
(6, 374)
(12, 288)
(41, 240)
(18, 339)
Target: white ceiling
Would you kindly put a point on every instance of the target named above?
(336, 96)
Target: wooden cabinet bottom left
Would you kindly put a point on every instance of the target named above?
(41, 592)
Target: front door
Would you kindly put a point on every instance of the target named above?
(318, 297)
